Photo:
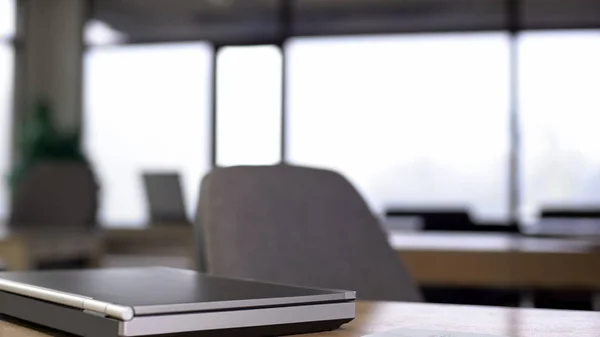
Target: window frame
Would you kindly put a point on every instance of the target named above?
(514, 24)
(13, 41)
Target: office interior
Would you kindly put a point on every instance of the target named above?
(466, 127)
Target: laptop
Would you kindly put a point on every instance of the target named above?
(166, 301)
(165, 198)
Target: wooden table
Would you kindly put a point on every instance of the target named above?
(24, 250)
(167, 239)
(380, 316)
(435, 259)
(169, 245)
(499, 260)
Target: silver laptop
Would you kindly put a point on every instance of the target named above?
(157, 301)
(165, 197)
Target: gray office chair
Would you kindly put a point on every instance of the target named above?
(298, 226)
(56, 195)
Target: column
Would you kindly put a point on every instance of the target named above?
(49, 59)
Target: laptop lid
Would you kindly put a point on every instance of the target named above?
(152, 291)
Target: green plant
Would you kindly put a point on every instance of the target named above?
(40, 140)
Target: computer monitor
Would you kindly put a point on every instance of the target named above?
(165, 198)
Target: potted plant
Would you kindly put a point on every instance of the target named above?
(40, 140)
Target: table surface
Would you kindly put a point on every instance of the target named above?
(404, 240)
(434, 258)
(499, 260)
(373, 317)
(489, 242)
(24, 249)
(379, 317)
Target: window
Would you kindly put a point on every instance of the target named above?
(147, 109)
(6, 81)
(560, 124)
(249, 105)
(7, 19)
(98, 33)
(413, 120)
(7, 28)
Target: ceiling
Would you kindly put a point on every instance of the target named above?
(249, 21)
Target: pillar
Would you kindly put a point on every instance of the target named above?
(50, 59)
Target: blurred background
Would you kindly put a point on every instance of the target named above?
(467, 126)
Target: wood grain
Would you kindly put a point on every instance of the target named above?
(165, 239)
(434, 259)
(375, 317)
(498, 260)
(23, 250)
(380, 317)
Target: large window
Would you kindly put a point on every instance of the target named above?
(7, 18)
(248, 105)
(560, 120)
(413, 120)
(6, 81)
(98, 33)
(7, 27)
(147, 109)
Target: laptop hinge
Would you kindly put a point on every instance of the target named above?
(94, 313)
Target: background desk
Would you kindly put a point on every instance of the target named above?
(380, 316)
(24, 250)
(433, 259)
(499, 260)
(171, 245)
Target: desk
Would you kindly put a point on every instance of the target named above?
(174, 244)
(434, 259)
(499, 260)
(23, 250)
(169, 239)
(380, 316)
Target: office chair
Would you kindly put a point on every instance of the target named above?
(297, 225)
(56, 204)
(56, 195)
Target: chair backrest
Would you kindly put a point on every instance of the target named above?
(56, 194)
(300, 226)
